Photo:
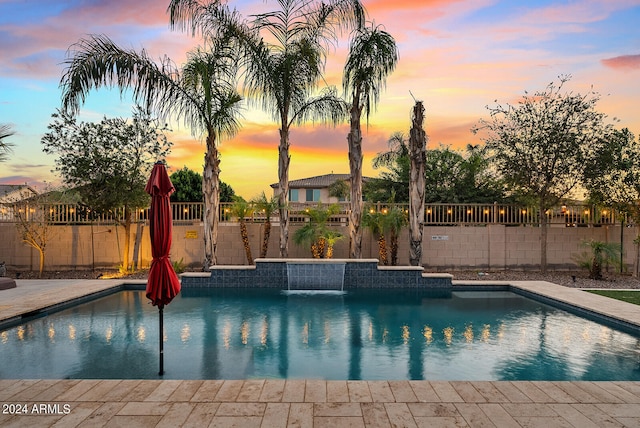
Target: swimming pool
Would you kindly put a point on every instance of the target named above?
(381, 334)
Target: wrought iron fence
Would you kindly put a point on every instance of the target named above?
(435, 214)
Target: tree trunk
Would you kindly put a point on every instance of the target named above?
(136, 245)
(211, 193)
(245, 241)
(382, 250)
(265, 239)
(354, 140)
(393, 248)
(543, 237)
(283, 186)
(41, 267)
(127, 238)
(417, 152)
(636, 261)
(329, 250)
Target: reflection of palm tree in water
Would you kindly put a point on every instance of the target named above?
(355, 340)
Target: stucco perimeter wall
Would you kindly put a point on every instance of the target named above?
(499, 247)
(444, 247)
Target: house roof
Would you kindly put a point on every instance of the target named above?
(6, 189)
(317, 182)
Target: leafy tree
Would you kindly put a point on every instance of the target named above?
(451, 176)
(267, 206)
(454, 176)
(34, 223)
(242, 209)
(227, 194)
(108, 163)
(5, 148)
(202, 94)
(188, 185)
(339, 189)
(542, 145)
(613, 178)
(373, 55)
(283, 54)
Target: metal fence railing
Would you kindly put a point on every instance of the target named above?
(435, 214)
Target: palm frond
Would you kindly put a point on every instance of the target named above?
(326, 108)
(98, 62)
(5, 148)
(373, 55)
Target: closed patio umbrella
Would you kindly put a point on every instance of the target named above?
(163, 283)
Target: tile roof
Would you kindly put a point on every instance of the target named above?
(6, 189)
(317, 182)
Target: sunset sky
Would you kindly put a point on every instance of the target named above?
(455, 56)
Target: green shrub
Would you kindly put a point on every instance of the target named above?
(178, 266)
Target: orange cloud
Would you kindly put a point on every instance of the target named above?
(623, 62)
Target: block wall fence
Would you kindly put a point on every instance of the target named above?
(492, 247)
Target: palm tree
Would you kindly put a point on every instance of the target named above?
(202, 95)
(417, 154)
(375, 222)
(241, 209)
(372, 57)
(5, 148)
(398, 148)
(331, 237)
(316, 232)
(602, 253)
(395, 219)
(267, 207)
(283, 58)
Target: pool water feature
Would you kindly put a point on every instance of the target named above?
(307, 277)
(363, 334)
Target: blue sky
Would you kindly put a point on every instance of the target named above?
(456, 56)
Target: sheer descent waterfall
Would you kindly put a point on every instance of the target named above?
(316, 277)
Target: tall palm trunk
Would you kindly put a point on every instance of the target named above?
(417, 152)
(283, 184)
(211, 193)
(354, 140)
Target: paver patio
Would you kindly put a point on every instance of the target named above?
(309, 403)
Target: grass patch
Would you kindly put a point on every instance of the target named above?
(625, 296)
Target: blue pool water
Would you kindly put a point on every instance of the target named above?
(241, 334)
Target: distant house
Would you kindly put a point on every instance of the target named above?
(15, 192)
(10, 194)
(314, 189)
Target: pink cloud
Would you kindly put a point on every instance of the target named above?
(577, 12)
(623, 62)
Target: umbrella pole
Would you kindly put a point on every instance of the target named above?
(161, 334)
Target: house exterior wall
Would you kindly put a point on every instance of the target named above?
(494, 247)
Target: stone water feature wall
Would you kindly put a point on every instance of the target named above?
(273, 273)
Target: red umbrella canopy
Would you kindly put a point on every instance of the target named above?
(163, 284)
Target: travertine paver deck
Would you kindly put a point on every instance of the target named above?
(310, 403)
